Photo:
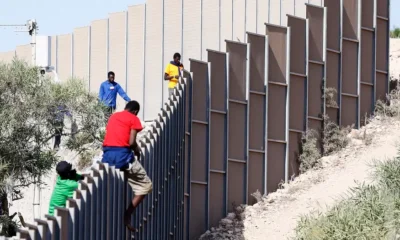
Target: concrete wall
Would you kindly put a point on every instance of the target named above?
(7, 57)
(137, 47)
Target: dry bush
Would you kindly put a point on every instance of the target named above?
(310, 154)
(369, 211)
(258, 196)
(334, 137)
(390, 107)
(329, 95)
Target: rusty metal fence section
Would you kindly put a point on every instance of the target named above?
(367, 60)
(333, 57)
(237, 123)
(278, 94)
(298, 89)
(218, 136)
(350, 60)
(382, 25)
(258, 71)
(316, 67)
(200, 164)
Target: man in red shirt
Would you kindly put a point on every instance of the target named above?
(119, 147)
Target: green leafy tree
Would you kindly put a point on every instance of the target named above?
(395, 32)
(28, 104)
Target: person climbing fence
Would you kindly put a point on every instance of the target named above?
(119, 150)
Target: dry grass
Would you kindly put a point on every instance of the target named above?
(370, 211)
(310, 154)
(334, 137)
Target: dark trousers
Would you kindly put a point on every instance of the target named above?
(57, 138)
(110, 111)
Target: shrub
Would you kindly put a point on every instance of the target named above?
(395, 32)
(330, 95)
(334, 137)
(28, 103)
(310, 154)
(370, 211)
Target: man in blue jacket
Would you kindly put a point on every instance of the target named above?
(108, 93)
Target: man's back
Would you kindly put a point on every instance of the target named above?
(119, 127)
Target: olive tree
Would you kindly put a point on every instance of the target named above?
(28, 104)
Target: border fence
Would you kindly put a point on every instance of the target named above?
(234, 124)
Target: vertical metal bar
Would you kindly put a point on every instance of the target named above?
(208, 142)
(287, 104)
(126, 49)
(359, 14)
(227, 134)
(388, 48)
(324, 52)
(341, 63)
(307, 69)
(266, 59)
(374, 56)
(89, 53)
(247, 119)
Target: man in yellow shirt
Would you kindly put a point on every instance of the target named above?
(173, 72)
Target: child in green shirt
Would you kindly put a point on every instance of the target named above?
(67, 182)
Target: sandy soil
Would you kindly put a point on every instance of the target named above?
(277, 217)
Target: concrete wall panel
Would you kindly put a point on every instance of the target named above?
(7, 57)
(153, 63)
(226, 22)
(64, 56)
(210, 27)
(117, 51)
(24, 53)
(81, 54)
(300, 8)
(98, 54)
(172, 35)
(251, 16)
(288, 7)
(53, 55)
(136, 31)
(191, 30)
(262, 15)
(239, 20)
(315, 2)
(275, 12)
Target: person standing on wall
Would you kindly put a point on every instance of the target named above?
(120, 149)
(108, 93)
(173, 72)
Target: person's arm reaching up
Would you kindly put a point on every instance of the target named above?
(133, 145)
(122, 93)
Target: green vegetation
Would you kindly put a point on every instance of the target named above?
(395, 32)
(28, 104)
(370, 211)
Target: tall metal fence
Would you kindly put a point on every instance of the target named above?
(234, 124)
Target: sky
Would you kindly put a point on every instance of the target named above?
(54, 17)
(62, 17)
